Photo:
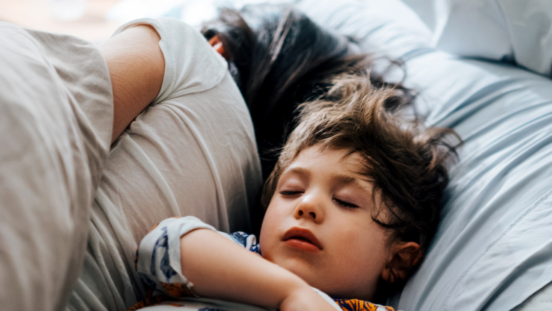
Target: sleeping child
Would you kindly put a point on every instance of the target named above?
(352, 205)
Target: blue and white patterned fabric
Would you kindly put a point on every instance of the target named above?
(158, 257)
(248, 241)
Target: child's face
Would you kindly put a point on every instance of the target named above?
(319, 225)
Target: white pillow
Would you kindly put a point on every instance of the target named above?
(513, 30)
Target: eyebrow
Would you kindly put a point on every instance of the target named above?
(346, 179)
(341, 178)
(297, 170)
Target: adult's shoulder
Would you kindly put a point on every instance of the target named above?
(191, 64)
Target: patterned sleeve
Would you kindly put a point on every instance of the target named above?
(158, 256)
(248, 241)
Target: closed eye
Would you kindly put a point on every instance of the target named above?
(290, 193)
(346, 204)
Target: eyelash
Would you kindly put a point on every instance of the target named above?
(340, 202)
(346, 204)
(289, 193)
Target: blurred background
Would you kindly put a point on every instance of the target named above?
(82, 18)
(96, 20)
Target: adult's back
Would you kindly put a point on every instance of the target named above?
(55, 131)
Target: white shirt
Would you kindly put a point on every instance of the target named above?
(192, 152)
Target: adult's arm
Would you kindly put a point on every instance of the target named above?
(136, 67)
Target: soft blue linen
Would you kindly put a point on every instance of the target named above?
(493, 247)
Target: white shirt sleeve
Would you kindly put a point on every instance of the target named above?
(191, 64)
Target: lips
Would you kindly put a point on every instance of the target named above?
(302, 238)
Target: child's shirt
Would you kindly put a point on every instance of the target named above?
(158, 263)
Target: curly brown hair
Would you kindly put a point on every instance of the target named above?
(406, 162)
(279, 59)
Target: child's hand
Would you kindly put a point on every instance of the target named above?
(304, 299)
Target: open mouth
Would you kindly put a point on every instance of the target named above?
(302, 238)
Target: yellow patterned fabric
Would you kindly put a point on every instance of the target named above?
(360, 305)
(152, 301)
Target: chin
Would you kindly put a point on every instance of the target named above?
(302, 269)
(318, 279)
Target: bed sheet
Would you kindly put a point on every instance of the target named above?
(493, 247)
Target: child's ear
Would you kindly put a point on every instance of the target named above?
(402, 257)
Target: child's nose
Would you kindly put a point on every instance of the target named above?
(310, 207)
(311, 214)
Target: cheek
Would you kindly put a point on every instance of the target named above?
(362, 249)
(269, 229)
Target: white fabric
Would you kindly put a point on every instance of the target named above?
(204, 304)
(56, 116)
(541, 301)
(192, 153)
(513, 30)
(374, 24)
(159, 252)
(493, 246)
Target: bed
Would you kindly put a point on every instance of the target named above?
(492, 247)
(479, 70)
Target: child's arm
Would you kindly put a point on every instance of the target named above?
(220, 268)
(184, 251)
